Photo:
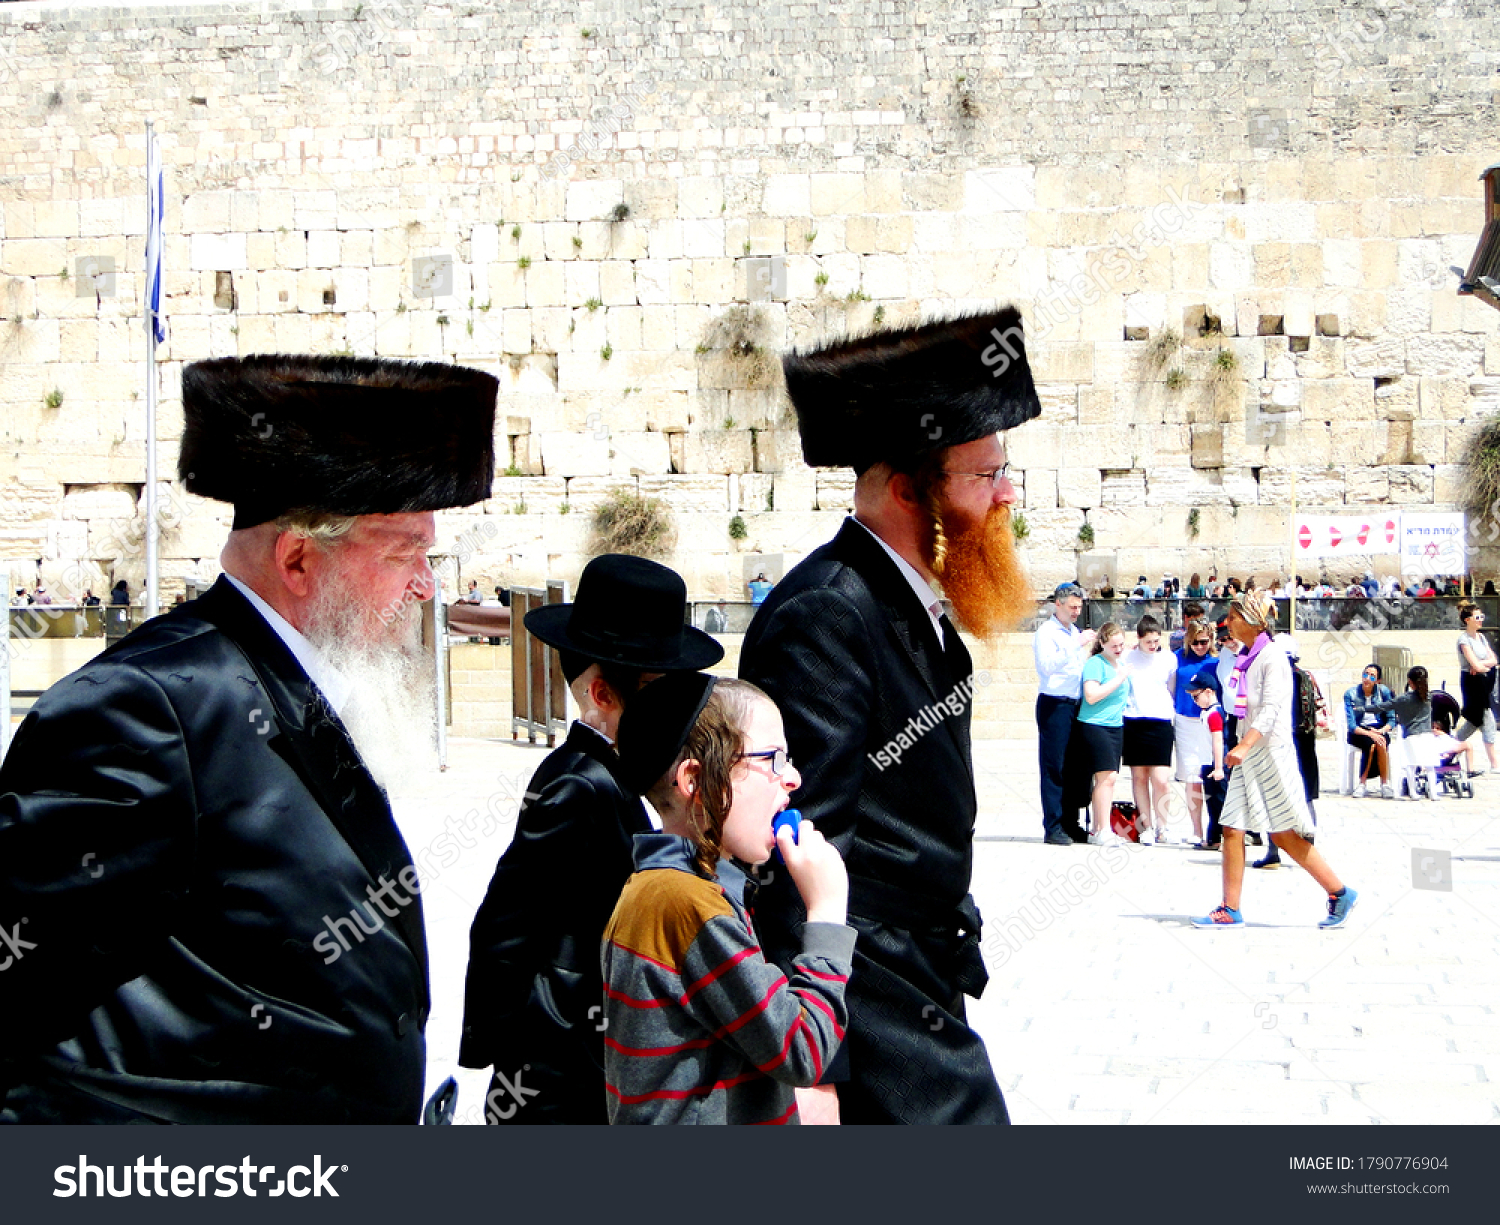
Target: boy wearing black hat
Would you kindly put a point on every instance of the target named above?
(533, 990)
(224, 922)
(853, 647)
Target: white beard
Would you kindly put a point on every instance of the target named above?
(390, 712)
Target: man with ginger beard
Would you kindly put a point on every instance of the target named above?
(221, 919)
(875, 687)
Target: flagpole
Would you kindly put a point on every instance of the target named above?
(153, 307)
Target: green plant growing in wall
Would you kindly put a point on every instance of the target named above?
(737, 528)
(53, 399)
(1176, 380)
(1193, 523)
(592, 305)
(520, 507)
(443, 321)
(515, 232)
(607, 352)
(1225, 363)
(524, 262)
(1086, 535)
(738, 343)
(620, 212)
(820, 280)
(626, 521)
(877, 317)
(564, 509)
(577, 243)
(746, 247)
(1019, 528)
(512, 470)
(1162, 347)
(1481, 463)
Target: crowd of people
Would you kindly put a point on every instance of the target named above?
(1240, 723)
(1278, 587)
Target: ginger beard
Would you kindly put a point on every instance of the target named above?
(390, 713)
(979, 571)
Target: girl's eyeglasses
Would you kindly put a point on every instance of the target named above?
(777, 757)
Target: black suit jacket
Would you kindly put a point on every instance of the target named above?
(534, 989)
(849, 654)
(191, 842)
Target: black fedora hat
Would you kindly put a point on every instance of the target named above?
(631, 612)
(657, 723)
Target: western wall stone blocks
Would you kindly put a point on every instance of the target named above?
(573, 454)
(787, 195)
(617, 283)
(1339, 399)
(1123, 488)
(689, 494)
(1366, 486)
(1384, 358)
(1454, 355)
(718, 451)
(33, 257)
(1399, 400)
(1072, 486)
(836, 194)
(639, 453)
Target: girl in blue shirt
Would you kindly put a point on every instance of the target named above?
(1101, 724)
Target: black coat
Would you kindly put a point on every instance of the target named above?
(534, 991)
(848, 653)
(182, 821)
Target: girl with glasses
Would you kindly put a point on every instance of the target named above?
(699, 1027)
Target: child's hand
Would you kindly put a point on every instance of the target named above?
(818, 872)
(1217, 774)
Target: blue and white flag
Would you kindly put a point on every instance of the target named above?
(155, 202)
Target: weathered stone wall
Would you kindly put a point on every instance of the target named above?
(625, 209)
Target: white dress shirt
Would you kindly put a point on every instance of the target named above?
(333, 684)
(919, 585)
(1060, 655)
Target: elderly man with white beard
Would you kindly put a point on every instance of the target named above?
(215, 918)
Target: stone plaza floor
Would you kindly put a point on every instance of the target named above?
(1103, 1005)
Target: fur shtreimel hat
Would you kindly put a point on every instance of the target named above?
(899, 395)
(345, 435)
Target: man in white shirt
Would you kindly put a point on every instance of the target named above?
(1060, 649)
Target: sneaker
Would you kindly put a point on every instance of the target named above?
(1338, 908)
(1148, 838)
(1102, 839)
(1387, 792)
(1221, 916)
(1268, 862)
(1163, 838)
(1358, 793)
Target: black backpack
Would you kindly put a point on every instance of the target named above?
(1306, 698)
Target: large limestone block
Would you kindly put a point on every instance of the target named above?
(1338, 399)
(1076, 486)
(1366, 486)
(1185, 487)
(575, 454)
(718, 451)
(1123, 489)
(1411, 484)
(709, 494)
(1400, 399)
(539, 494)
(1453, 355)
(1316, 487)
(835, 489)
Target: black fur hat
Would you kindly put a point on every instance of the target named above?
(346, 435)
(897, 396)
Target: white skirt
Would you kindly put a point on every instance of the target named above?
(1266, 794)
(1195, 748)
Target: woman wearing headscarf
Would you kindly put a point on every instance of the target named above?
(1265, 791)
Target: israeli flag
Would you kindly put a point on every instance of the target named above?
(155, 201)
